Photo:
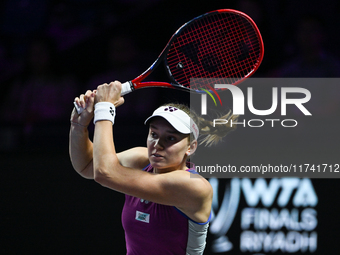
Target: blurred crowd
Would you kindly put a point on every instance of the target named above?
(51, 51)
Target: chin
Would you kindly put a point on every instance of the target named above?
(157, 164)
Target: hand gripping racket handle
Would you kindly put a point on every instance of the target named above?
(127, 87)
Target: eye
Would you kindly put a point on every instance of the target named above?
(171, 138)
(153, 134)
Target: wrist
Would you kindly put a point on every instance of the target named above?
(73, 123)
(104, 111)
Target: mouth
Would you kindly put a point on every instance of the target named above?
(156, 155)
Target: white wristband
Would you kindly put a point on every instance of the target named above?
(104, 111)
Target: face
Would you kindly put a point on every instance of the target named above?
(167, 148)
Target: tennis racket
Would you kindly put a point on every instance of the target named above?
(224, 44)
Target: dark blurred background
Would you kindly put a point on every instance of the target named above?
(52, 51)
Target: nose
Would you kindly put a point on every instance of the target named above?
(157, 144)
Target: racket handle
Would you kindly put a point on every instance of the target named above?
(78, 108)
(127, 87)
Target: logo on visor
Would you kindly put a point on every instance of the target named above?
(170, 109)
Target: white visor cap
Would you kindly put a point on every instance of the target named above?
(177, 118)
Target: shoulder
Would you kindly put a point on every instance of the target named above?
(194, 194)
(136, 157)
(191, 183)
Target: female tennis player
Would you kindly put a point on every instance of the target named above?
(166, 210)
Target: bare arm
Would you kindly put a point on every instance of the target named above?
(134, 158)
(81, 153)
(80, 146)
(81, 150)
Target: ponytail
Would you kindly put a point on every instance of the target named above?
(212, 134)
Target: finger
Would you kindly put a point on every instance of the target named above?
(82, 101)
(78, 108)
(88, 92)
(86, 97)
(90, 102)
(102, 85)
(76, 100)
(119, 102)
(117, 85)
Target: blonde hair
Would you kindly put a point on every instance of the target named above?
(213, 134)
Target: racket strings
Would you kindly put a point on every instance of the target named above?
(222, 45)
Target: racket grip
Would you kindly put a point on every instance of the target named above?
(79, 109)
(127, 87)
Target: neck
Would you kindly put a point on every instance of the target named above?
(182, 166)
